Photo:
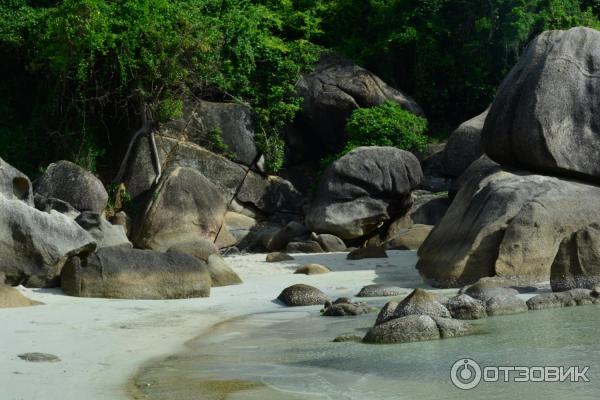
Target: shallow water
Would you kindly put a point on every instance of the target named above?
(289, 355)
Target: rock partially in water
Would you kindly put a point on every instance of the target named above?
(412, 328)
(39, 357)
(302, 295)
(466, 307)
(278, 257)
(380, 290)
(347, 337)
(421, 302)
(505, 304)
(570, 298)
(312, 269)
(368, 252)
(344, 306)
(387, 312)
(450, 328)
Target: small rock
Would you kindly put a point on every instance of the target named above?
(279, 257)
(368, 252)
(39, 357)
(302, 295)
(312, 269)
(380, 290)
(344, 306)
(465, 307)
(570, 298)
(421, 302)
(304, 247)
(387, 312)
(330, 243)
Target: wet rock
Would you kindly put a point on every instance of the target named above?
(343, 307)
(450, 328)
(278, 257)
(380, 290)
(570, 298)
(348, 337)
(367, 252)
(421, 302)
(466, 307)
(387, 312)
(302, 295)
(312, 269)
(412, 328)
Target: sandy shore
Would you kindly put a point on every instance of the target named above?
(102, 343)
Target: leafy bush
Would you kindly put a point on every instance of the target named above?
(384, 125)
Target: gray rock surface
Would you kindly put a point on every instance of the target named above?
(367, 252)
(302, 295)
(308, 246)
(123, 273)
(387, 312)
(577, 263)
(463, 146)
(278, 257)
(330, 243)
(380, 290)
(421, 302)
(570, 298)
(185, 206)
(508, 224)
(408, 239)
(466, 307)
(412, 328)
(199, 248)
(362, 190)
(34, 245)
(221, 273)
(104, 233)
(69, 182)
(544, 116)
(15, 185)
(343, 307)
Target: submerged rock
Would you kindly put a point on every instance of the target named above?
(39, 357)
(348, 337)
(302, 295)
(344, 306)
(380, 290)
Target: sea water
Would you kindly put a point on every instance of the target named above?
(290, 355)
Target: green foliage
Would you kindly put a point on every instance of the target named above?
(96, 65)
(450, 55)
(384, 125)
(216, 142)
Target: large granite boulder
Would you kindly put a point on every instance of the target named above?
(577, 263)
(35, 245)
(463, 146)
(123, 273)
(333, 90)
(362, 190)
(408, 239)
(415, 328)
(268, 194)
(14, 185)
(71, 183)
(199, 248)
(508, 224)
(185, 206)
(545, 116)
(232, 122)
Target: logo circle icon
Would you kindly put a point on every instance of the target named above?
(465, 374)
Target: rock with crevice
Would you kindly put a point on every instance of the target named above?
(14, 184)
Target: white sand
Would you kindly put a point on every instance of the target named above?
(102, 342)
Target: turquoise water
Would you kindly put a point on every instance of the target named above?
(292, 354)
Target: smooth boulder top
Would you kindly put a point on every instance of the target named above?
(69, 182)
(421, 302)
(545, 116)
(380, 290)
(362, 190)
(302, 295)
